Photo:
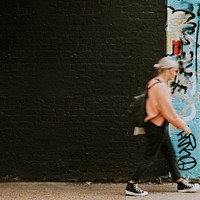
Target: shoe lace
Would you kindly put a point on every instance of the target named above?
(188, 185)
(137, 188)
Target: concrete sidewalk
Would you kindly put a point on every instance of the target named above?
(87, 191)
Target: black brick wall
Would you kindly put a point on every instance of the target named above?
(68, 70)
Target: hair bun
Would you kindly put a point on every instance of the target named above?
(157, 66)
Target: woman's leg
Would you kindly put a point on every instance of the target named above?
(154, 135)
(170, 155)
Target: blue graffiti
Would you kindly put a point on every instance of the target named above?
(183, 42)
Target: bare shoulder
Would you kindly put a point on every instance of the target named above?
(161, 88)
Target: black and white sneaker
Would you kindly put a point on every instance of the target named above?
(184, 187)
(132, 189)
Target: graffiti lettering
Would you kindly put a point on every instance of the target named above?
(187, 163)
(186, 144)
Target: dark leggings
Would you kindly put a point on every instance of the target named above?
(157, 140)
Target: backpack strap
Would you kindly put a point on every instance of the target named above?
(158, 81)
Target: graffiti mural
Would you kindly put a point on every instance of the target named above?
(183, 44)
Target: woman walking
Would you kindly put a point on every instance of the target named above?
(160, 113)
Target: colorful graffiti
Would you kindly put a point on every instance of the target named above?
(183, 43)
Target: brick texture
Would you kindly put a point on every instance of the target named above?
(68, 71)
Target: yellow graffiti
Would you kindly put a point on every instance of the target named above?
(176, 21)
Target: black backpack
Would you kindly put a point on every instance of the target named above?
(138, 107)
